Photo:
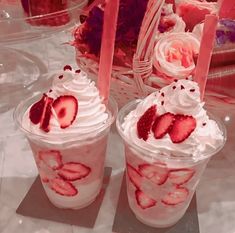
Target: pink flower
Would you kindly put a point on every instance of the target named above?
(194, 11)
(174, 54)
(170, 23)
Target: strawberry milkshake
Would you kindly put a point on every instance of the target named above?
(169, 138)
(67, 129)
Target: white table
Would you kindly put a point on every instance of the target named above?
(215, 194)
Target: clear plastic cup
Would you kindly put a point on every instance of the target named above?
(160, 188)
(71, 168)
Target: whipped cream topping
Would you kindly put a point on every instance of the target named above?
(181, 97)
(174, 52)
(91, 115)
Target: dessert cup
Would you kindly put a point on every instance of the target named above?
(70, 167)
(160, 187)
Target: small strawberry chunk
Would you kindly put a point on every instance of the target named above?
(182, 128)
(67, 67)
(176, 196)
(62, 187)
(46, 116)
(52, 158)
(163, 124)
(134, 176)
(74, 171)
(36, 111)
(66, 108)
(145, 122)
(180, 176)
(158, 174)
(143, 200)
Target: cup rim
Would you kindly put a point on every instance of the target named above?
(112, 110)
(153, 155)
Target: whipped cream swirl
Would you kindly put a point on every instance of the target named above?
(181, 97)
(91, 115)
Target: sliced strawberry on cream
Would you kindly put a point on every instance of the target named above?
(143, 200)
(134, 176)
(183, 126)
(145, 122)
(66, 108)
(46, 115)
(158, 174)
(163, 124)
(180, 176)
(40, 112)
(67, 67)
(62, 187)
(52, 158)
(74, 171)
(36, 111)
(176, 196)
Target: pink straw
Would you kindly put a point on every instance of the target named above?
(107, 47)
(205, 53)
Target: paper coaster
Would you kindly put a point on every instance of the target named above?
(36, 205)
(126, 222)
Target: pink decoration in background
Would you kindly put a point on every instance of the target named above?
(107, 47)
(193, 12)
(88, 8)
(227, 9)
(205, 53)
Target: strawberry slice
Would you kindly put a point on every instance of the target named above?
(183, 126)
(134, 176)
(74, 171)
(177, 196)
(46, 115)
(66, 108)
(63, 187)
(180, 176)
(52, 158)
(143, 200)
(163, 124)
(36, 111)
(145, 122)
(158, 174)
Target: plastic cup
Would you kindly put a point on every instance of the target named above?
(71, 167)
(160, 188)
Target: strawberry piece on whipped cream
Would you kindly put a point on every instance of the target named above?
(66, 108)
(40, 112)
(182, 128)
(36, 111)
(46, 115)
(163, 124)
(145, 122)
